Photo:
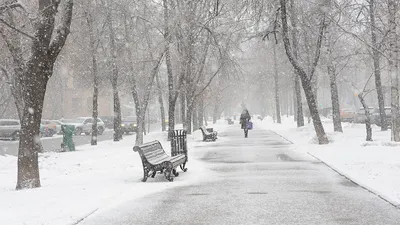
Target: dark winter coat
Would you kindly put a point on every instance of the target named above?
(244, 118)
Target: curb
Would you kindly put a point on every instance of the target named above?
(363, 186)
(291, 142)
(83, 218)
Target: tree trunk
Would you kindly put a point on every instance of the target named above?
(368, 118)
(205, 116)
(172, 90)
(140, 128)
(337, 125)
(117, 113)
(394, 70)
(200, 112)
(92, 43)
(276, 79)
(29, 143)
(161, 102)
(195, 117)
(183, 110)
(297, 88)
(189, 120)
(377, 69)
(305, 80)
(114, 81)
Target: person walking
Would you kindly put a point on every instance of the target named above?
(244, 120)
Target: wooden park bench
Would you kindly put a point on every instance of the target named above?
(208, 134)
(154, 159)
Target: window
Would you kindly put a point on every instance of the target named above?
(89, 121)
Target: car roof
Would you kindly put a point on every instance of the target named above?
(13, 120)
(88, 118)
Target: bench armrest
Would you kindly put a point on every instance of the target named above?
(136, 148)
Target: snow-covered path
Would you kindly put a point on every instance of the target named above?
(258, 180)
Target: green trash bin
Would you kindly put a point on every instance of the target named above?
(68, 143)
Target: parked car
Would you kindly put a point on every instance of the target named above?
(84, 125)
(46, 131)
(347, 115)
(108, 121)
(128, 124)
(58, 125)
(9, 129)
(360, 115)
(376, 118)
(48, 128)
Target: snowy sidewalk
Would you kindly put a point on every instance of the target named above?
(373, 165)
(76, 184)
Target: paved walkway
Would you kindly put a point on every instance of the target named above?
(259, 181)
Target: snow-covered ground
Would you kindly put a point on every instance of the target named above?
(91, 179)
(373, 165)
(95, 178)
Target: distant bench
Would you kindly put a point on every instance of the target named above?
(155, 159)
(208, 134)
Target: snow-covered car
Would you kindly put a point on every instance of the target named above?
(128, 124)
(360, 115)
(9, 129)
(84, 125)
(108, 121)
(347, 115)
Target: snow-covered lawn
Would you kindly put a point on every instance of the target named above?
(91, 179)
(373, 165)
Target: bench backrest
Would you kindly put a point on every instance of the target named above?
(150, 150)
(178, 142)
(204, 130)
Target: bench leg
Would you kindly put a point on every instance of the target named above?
(144, 177)
(145, 173)
(183, 167)
(167, 174)
(175, 173)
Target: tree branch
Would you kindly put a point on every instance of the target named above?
(5, 72)
(62, 30)
(209, 82)
(16, 29)
(12, 5)
(318, 47)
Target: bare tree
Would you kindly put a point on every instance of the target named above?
(141, 102)
(305, 79)
(276, 81)
(330, 45)
(174, 82)
(93, 49)
(297, 88)
(114, 76)
(394, 68)
(377, 70)
(32, 75)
